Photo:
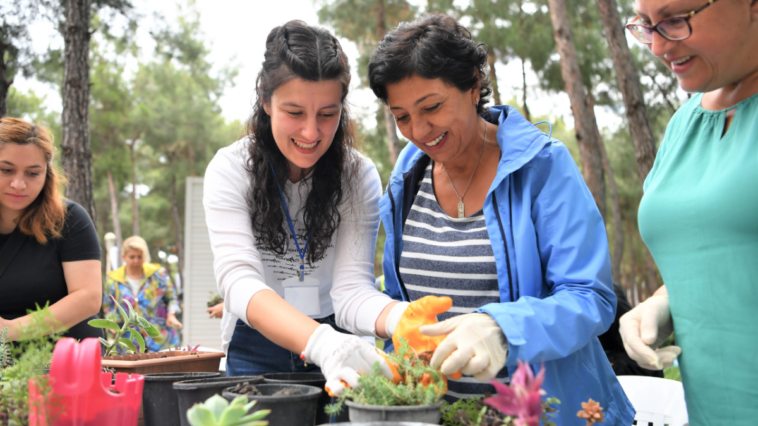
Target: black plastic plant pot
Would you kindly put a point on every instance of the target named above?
(160, 406)
(411, 413)
(311, 379)
(286, 410)
(195, 391)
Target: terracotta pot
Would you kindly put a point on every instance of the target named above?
(165, 362)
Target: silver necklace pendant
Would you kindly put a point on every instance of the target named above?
(461, 215)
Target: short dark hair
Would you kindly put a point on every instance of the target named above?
(297, 50)
(433, 46)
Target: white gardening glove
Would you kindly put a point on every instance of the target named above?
(475, 345)
(342, 357)
(646, 327)
(393, 319)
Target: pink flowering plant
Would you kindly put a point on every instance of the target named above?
(517, 404)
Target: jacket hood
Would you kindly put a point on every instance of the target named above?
(519, 141)
(148, 269)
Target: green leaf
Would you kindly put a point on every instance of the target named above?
(200, 415)
(121, 310)
(217, 405)
(231, 415)
(104, 342)
(148, 327)
(132, 315)
(104, 323)
(258, 415)
(136, 335)
(128, 343)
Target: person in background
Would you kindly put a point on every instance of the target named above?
(49, 250)
(699, 213)
(484, 207)
(613, 345)
(148, 288)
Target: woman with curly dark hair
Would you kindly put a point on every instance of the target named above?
(484, 207)
(293, 213)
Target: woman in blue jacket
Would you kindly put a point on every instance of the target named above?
(485, 208)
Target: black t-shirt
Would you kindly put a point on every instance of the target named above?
(35, 274)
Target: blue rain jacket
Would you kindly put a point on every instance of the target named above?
(553, 264)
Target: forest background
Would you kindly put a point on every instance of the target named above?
(158, 111)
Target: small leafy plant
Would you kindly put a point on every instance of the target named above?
(27, 359)
(419, 383)
(215, 299)
(217, 411)
(132, 323)
(6, 360)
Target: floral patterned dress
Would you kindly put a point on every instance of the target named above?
(156, 298)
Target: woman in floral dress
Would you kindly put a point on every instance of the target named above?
(148, 287)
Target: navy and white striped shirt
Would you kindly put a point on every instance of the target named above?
(445, 256)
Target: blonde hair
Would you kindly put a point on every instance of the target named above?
(45, 216)
(136, 243)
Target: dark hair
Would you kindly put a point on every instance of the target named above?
(296, 50)
(432, 46)
(45, 216)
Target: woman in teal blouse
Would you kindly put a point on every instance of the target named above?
(699, 214)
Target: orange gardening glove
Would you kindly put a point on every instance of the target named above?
(396, 377)
(422, 312)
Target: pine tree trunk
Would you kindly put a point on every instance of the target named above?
(629, 81)
(389, 120)
(584, 115)
(4, 85)
(652, 282)
(178, 227)
(135, 210)
(491, 59)
(76, 154)
(632, 264)
(114, 210)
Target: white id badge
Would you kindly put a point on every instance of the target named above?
(303, 295)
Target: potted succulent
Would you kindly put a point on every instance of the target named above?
(291, 405)
(214, 300)
(191, 392)
(414, 395)
(139, 362)
(217, 411)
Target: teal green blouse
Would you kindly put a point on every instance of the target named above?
(699, 218)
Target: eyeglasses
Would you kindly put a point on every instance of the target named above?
(675, 28)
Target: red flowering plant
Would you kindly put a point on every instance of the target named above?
(517, 404)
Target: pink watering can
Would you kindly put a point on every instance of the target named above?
(82, 395)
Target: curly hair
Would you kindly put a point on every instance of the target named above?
(45, 216)
(296, 50)
(433, 46)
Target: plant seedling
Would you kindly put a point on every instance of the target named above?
(217, 411)
(215, 299)
(132, 323)
(419, 383)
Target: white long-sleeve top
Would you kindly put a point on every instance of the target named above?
(345, 273)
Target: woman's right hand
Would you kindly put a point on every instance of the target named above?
(342, 358)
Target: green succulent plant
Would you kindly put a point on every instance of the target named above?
(217, 411)
(131, 320)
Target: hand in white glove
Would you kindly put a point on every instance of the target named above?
(646, 327)
(475, 345)
(342, 357)
(393, 319)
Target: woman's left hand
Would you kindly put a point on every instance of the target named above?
(172, 322)
(475, 345)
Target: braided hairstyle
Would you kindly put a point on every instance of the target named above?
(296, 50)
(433, 46)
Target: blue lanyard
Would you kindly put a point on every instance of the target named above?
(292, 228)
